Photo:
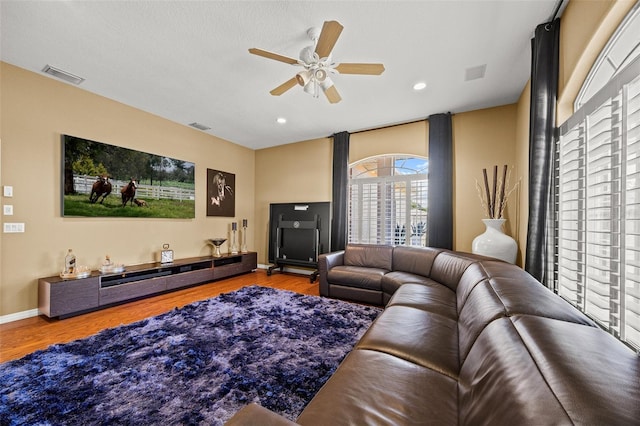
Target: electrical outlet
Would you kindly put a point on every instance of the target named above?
(13, 228)
(7, 209)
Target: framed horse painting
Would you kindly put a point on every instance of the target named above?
(221, 193)
(102, 180)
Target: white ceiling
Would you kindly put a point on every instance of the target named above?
(188, 61)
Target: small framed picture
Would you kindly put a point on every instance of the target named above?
(221, 193)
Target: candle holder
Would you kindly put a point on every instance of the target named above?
(234, 244)
(243, 247)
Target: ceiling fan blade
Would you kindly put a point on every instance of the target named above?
(368, 69)
(332, 94)
(328, 36)
(284, 87)
(274, 56)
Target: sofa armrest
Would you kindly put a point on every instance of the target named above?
(255, 415)
(326, 261)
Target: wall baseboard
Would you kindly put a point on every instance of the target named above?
(18, 316)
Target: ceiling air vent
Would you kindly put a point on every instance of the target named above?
(475, 73)
(200, 126)
(62, 75)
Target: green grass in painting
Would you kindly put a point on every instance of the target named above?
(79, 205)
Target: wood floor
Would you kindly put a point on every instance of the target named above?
(22, 337)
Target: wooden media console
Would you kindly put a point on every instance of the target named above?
(58, 297)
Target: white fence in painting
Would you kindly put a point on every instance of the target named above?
(83, 184)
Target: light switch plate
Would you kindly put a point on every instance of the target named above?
(8, 191)
(13, 228)
(7, 209)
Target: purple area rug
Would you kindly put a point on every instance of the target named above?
(195, 365)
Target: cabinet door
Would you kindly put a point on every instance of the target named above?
(132, 290)
(68, 297)
(189, 278)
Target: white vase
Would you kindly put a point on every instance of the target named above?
(494, 242)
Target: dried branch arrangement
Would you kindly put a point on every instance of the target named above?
(494, 198)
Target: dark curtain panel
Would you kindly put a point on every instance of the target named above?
(339, 193)
(544, 91)
(440, 185)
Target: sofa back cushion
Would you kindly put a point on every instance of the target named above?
(368, 255)
(500, 384)
(594, 376)
(529, 297)
(493, 298)
(481, 308)
(473, 275)
(417, 260)
(448, 269)
(530, 370)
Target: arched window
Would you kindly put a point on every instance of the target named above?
(597, 187)
(620, 51)
(388, 200)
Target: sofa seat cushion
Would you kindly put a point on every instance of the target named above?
(418, 336)
(430, 297)
(393, 280)
(357, 276)
(374, 388)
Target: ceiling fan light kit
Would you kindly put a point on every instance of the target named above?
(317, 63)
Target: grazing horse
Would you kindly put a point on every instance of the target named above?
(128, 192)
(101, 187)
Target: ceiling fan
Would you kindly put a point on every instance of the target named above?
(318, 64)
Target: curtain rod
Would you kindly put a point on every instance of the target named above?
(388, 126)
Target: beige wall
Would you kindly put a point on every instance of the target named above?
(481, 139)
(297, 172)
(36, 110)
(302, 171)
(408, 138)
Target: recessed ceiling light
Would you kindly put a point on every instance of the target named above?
(281, 120)
(420, 86)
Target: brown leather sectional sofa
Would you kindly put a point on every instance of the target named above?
(465, 340)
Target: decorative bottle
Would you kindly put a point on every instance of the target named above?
(70, 262)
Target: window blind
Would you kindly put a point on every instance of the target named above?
(387, 201)
(598, 207)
